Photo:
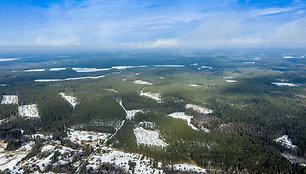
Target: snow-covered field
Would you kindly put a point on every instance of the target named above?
(68, 79)
(148, 137)
(142, 82)
(57, 69)
(248, 62)
(292, 57)
(9, 159)
(121, 160)
(194, 85)
(199, 109)
(187, 168)
(7, 59)
(154, 96)
(34, 70)
(9, 99)
(90, 69)
(111, 90)
(126, 67)
(231, 81)
(88, 137)
(69, 98)
(28, 111)
(286, 142)
(181, 115)
(285, 84)
(257, 58)
(171, 66)
(129, 113)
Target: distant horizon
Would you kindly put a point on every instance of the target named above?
(130, 24)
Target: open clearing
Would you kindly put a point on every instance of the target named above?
(232, 81)
(199, 109)
(285, 84)
(68, 79)
(69, 98)
(181, 115)
(81, 70)
(154, 96)
(28, 111)
(141, 82)
(7, 59)
(57, 69)
(187, 168)
(34, 70)
(285, 141)
(90, 137)
(148, 137)
(9, 99)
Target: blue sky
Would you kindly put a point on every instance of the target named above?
(102, 24)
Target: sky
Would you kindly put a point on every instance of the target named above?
(151, 24)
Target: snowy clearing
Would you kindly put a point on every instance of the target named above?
(194, 85)
(3, 85)
(121, 160)
(181, 115)
(199, 109)
(69, 98)
(154, 96)
(90, 69)
(291, 57)
(126, 67)
(232, 81)
(148, 137)
(141, 82)
(28, 111)
(285, 84)
(68, 79)
(129, 113)
(9, 159)
(7, 59)
(187, 168)
(286, 142)
(295, 159)
(257, 58)
(248, 62)
(57, 69)
(88, 137)
(34, 70)
(111, 90)
(171, 66)
(9, 99)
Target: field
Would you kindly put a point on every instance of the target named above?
(216, 111)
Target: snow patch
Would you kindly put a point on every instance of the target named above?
(68, 79)
(141, 82)
(112, 90)
(232, 81)
(129, 113)
(171, 66)
(154, 96)
(148, 137)
(7, 59)
(89, 69)
(199, 109)
(286, 142)
(285, 84)
(57, 69)
(126, 67)
(69, 98)
(187, 168)
(181, 115)
(9, 99)
(34, 70)
(88, 137)
(28, 111)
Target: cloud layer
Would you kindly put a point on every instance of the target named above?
(152, 24)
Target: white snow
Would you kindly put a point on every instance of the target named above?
(154, 96)
(141, 82)
(286, 142)
(172, 66)
(257, 58)
(111, 90)
(194, 85)
(69, 98)
(121, 159)
(88, 137)
(9, 159)
(34, 70)
(9, 99)
(199, 109)
(28, 111)
(57, 69)
(7, 59)
(90, 69)
(232, 81)
(3, 85)
(249, 62)
(68, 79)
(285, 84)
(129, 113)
(148, 137)
(126, 67)
(187, 168)
(181, 115)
